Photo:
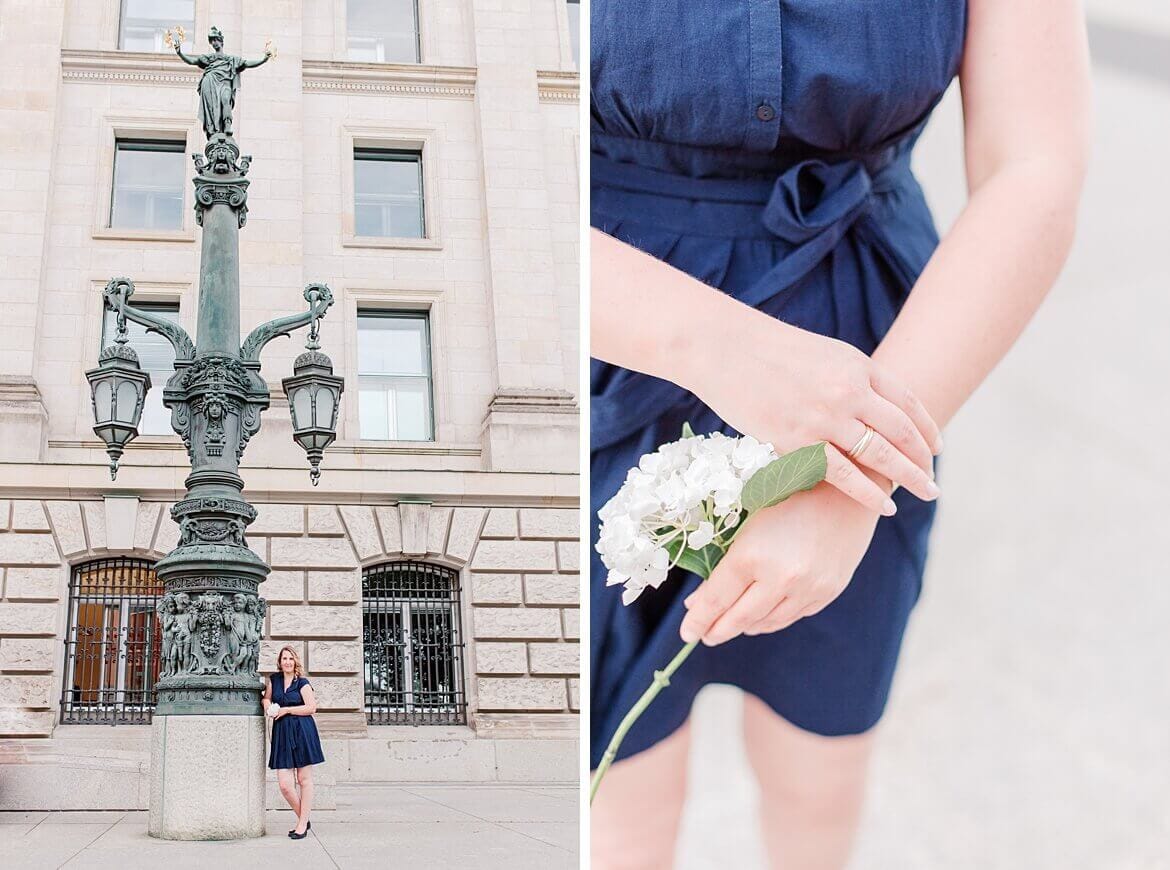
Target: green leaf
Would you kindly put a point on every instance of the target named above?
(793, 472)
(687, 431)
(701, 562)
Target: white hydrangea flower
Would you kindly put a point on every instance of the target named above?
(687, 489)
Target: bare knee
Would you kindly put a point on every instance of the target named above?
(819, 779)
(635, 816)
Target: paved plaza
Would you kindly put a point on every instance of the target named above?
(521, 827)
(1030, 721)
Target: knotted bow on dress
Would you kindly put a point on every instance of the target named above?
(810, 206)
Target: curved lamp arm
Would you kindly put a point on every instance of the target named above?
(117, 294)
(319, 297)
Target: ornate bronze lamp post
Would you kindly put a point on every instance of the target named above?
(207, 758)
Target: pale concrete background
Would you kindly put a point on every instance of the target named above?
(1030, 720)
(523, 827)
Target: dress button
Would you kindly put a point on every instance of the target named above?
(765, 112)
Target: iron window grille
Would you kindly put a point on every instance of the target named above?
(412, 645)
(113, 643)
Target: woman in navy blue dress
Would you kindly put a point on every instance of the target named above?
(290, 701)
(764, 261)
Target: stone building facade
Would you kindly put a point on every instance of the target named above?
(488, 110)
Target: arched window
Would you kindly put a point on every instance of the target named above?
(112, 645)
(412, 645)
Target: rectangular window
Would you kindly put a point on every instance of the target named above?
(388, 193)
(394, 376)
(144, 22)
(155, 355)
(382, 31)
(574, 9)
(148, 184)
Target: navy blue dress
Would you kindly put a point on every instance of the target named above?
(294, 738)
(764, 148)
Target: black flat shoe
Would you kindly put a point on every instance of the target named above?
(295, 836)
(308, 827)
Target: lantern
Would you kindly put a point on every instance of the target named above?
(119, 388)
(314, 394)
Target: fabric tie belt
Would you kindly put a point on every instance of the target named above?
(810, 206)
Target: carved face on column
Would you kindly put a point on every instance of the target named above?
(182, 602)
(239, 603)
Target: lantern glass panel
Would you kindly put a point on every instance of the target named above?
(127, 402)
(302, 410)
(325, 408)
(103, 393)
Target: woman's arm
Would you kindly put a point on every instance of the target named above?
(266, 698)
(1026, 109)
(765, 377)
(310, 702)
(1026, 106)
(308, 708)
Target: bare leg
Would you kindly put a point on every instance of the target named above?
(288, 790)
(811, 788)
(635, 817)
(305, 778)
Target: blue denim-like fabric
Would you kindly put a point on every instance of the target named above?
(764, 148)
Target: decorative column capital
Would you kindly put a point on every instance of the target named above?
(221, 178)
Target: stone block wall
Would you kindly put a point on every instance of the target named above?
(525, 595)
(518, 568)
(39, 541)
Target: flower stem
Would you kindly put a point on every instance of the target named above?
(660, 681)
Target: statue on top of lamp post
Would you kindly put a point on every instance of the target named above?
(220, 80)
(207, 753)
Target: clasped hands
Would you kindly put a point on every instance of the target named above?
(793, 559)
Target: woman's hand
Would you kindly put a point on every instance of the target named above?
(283, 711)
(792, 387)
(765, 377)
(789, 561)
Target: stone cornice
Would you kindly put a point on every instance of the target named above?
(451, 82)
(454, 82)
(558, 87)
(358, 485)
(14, 388)
(125, 66)
(519, 401)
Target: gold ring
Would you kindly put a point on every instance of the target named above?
(862, 442)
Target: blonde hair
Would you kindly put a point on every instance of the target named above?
(298, 668)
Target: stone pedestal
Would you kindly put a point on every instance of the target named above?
(207, 777)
